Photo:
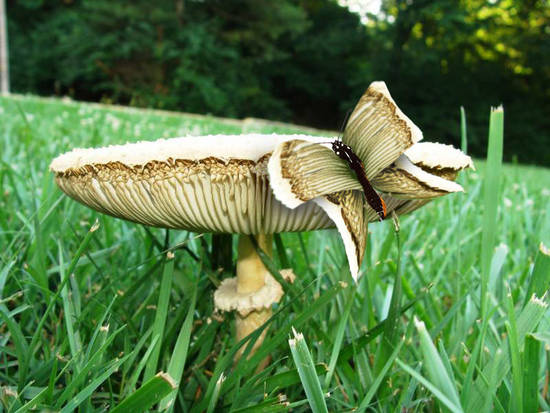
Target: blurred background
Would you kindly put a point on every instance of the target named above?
(300, 61)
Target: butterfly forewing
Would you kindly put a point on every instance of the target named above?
(377, 131)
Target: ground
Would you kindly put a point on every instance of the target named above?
(78, 324)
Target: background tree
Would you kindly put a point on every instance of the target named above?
(304, 61)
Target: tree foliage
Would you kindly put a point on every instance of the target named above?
(305, 61)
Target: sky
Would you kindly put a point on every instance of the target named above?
(362, 7)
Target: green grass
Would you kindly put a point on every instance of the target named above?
(79, 327)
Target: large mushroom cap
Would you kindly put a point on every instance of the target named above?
(214, 183)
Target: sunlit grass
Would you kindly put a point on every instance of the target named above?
(90, 313)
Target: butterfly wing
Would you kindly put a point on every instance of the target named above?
(348, 211)
(377, 131)
(300, 170)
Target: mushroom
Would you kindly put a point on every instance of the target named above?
(264, 184)
(204, 184)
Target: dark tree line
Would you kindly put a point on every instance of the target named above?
(305, 61)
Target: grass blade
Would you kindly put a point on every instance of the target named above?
(390, 337)
(434, 365)
(82, 373)
(337, 345)
(141, 365)
(216, 394)
(494, 381)
(515, 357)
(527, 322)
(289, 378)
(308, 375)
(147, 395)
(160, 315)
(433, 389)
(314, 308)
(90, 388)
(179, 355)
(531, 363)
(73, 336)
(540, 277)
(378, 380)
(491, 198)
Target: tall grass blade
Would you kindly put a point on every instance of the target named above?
(90, 388)
(73, 337)
(18, 338)
(378, 380)
(515, 357)
(289, 378)
(391, 326)
(491, 198)
(82, 374)
(161, 315)
(179, 355)
(431, 387)
(215, 395)
(337, 345)
(494, 381)
(281, 253)
(147, 395)
(531, 363)
(437, 372)
(527, 322)
(131, 385)
(308, 375)
(539, 282)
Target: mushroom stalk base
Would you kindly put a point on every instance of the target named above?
(252, 292)
(248, 324)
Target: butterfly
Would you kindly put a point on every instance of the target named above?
(340, 176)
(345, 152)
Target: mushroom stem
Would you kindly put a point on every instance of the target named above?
(251, 293)
(251, 277)
(251, 272)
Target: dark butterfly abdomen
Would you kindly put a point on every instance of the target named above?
(344, 152)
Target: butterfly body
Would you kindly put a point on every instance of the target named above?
(345, 153)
